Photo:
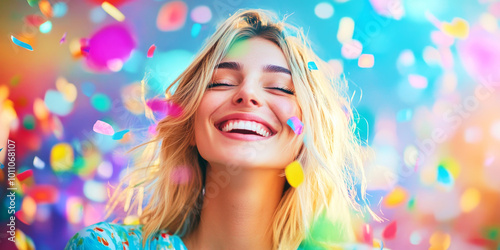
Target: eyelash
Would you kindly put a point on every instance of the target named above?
(284, 89)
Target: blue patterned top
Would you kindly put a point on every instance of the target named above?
(104, 235)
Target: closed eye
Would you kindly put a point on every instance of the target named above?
(215, 84)
(284, 89)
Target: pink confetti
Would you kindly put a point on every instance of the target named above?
(164, 108)
(295, 124)
(151, 51)
(417, 81)
(390, 230)
(63, 39)
(181, 175)
(172, 16)
(367, 234)
(103, 128)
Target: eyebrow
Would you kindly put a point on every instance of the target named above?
(268, 68)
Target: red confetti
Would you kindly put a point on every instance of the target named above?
(44, 194)
(367, 234)
(390, 231)
(151, 51)
(22, 176)
(34, 20)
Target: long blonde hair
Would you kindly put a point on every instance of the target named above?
(332, 156)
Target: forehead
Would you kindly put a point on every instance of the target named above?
(256, 51)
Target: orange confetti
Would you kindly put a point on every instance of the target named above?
(46, 8)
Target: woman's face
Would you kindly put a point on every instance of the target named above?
(242, 120)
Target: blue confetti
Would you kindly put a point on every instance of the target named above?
(444, 177)
(312, 65)
(21, 44)
(195, 30)
(119, 135)
(1, 165)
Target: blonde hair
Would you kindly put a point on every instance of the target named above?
(332, 156)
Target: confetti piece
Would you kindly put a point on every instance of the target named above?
(38, 163)
(201, 14)
(367, 234)
(351, 49)
(415, 238)
(88, 88)
(57, 103)
(195, 30)
(366, 61)
(151, 51)
(95, 191)
(458, 28)
(63, 39)
(323, 10)
(33, 2)
(29, 122)
(444, 177)
(440, 240)
(44, 194)
(395, 198)
(113, 11)
(172, 16)
(119, 135)
(390, 231)
(470, 199)
(294, 174)
(295, 124)
(74, 210)
(346, 29)
(103, 128)
(60, 9)
(164, 108)
(22, 176)
(1, 165)
(61, 157)
(411, 204)
(21, 44)
(100, 102)
(46, 8)
(312, 66)
(181, 175)
(1, 149)
(40, 110)
(417, 81)
(34, 20)
(28, 209)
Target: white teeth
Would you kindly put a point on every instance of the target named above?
(247, 125)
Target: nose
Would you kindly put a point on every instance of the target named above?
(247, 95)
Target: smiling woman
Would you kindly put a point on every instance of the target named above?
(214, 177)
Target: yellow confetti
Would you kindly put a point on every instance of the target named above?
(61, 157)
(294, 174)
(113, 11)
(23, 241)
(131, 220)
(458, 28)
(68, 90)
(40, 110)
(396, 197)
(440, 240)
(470, 199)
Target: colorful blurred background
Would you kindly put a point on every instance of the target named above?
(424, 76)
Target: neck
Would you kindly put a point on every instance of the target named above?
(238, 209)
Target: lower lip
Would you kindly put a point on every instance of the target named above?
(244, 137)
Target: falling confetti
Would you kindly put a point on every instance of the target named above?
(470, 200)
(294, 174)
(367, 234)
(21, 44)
(458, 28)
(38, 163)
(113, 11)
(172, 16)
(100, 102)
(295, 124)
(201, 14)
(195, 30)
(151, 51)
(346, 29)
(119, 135)
(323, 10)
(26, 174)
(390, 231)
(62, 157)
(44, 194)
(164, 108)
(366, 61)
(34, 20)
(395, 198)
(63, 39)
(312, 66)
(103, 128)
(46, 8)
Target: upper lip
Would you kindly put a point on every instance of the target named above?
(246, 117)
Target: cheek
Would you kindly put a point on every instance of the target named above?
(285, 109)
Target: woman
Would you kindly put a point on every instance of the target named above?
(214, 176)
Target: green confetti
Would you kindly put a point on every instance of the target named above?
(101, 102)
(29, 122)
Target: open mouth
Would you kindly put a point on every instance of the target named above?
(244, 128)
